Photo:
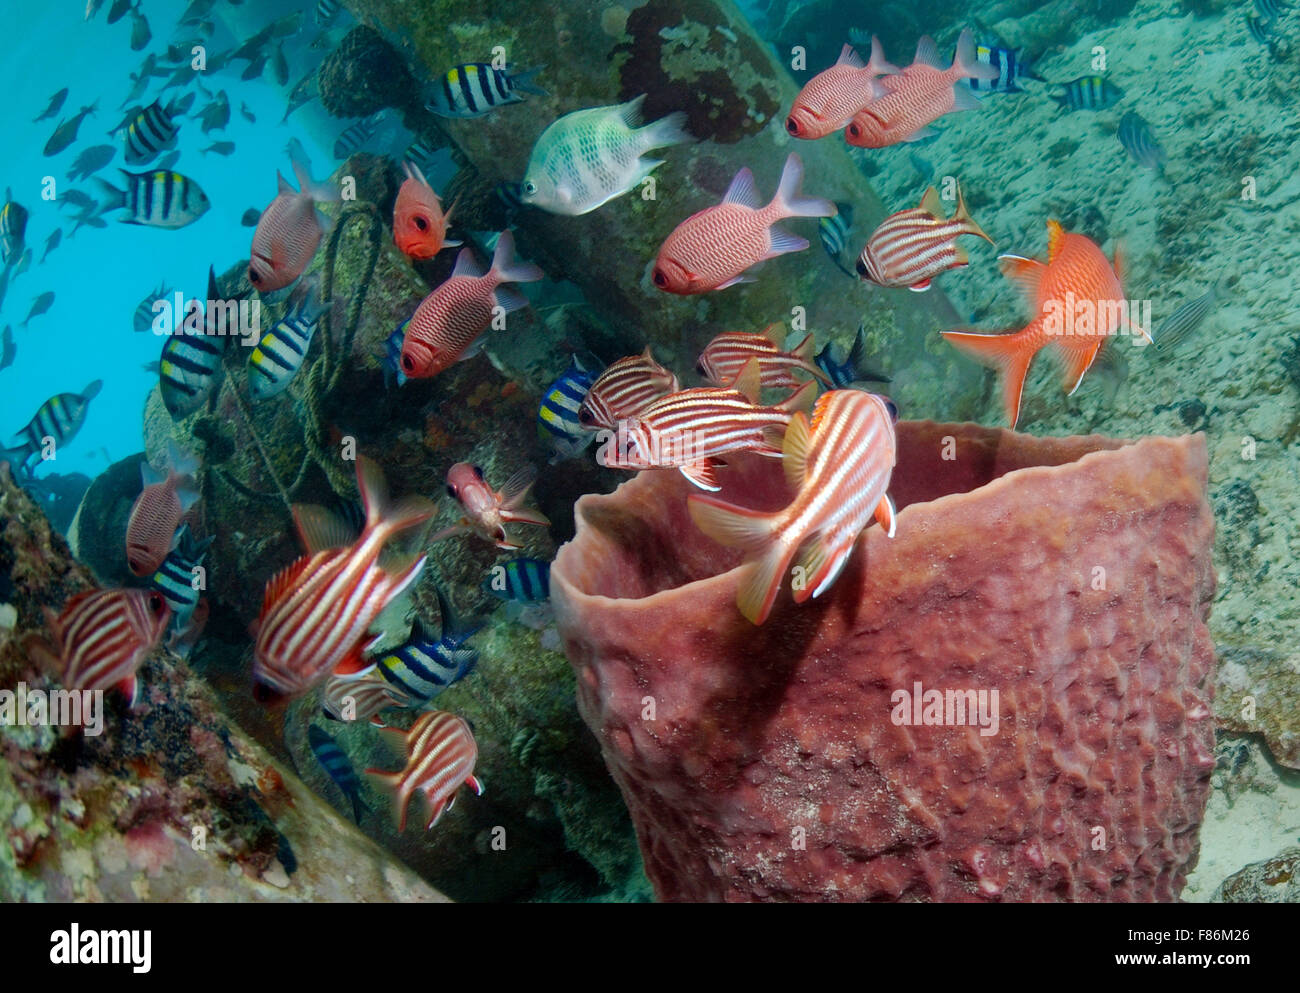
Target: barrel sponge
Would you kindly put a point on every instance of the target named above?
(365, 74)
(801, 760)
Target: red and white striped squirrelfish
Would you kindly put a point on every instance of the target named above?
(158, 510)
(723, 358)
(488, 511)
(913, 246)
(692, 429)
(711, 249)
(101, 637)
(348, 698)
(919, 95)
(840, 467)
(448, 325)
(829, 100)
(288, 232)
(316, 612)
(440, 757)
(623, 389)
(1078, 304)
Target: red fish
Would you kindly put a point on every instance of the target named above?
(919, 96)
(1078, 303)
(913, 246)
(723, 358)
(288, 233)
(488, 511)
(829, 100)
(316, 612)
(419, 225)
(449, 323)
(102, 636)
(623, 389)
(840, 467)
(158, 510)
(440, 757)
(711, 250)
(692, 429)
(360, 699)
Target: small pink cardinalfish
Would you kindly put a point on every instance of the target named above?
(158, 510)
(691, 430)
(913, 246)
(724, 357)
(713, 248)
(288, 233)
(448, 325)
(440, 757)
(317, 611)
(488, 511)
(623, 389)
(840, 468)
(101, 638)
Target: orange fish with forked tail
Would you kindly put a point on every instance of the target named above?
(1078, 303)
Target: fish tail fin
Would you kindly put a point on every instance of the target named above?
(1010, 354)
(963, 216)
(323, 191)
(380, 513)
(790, 202)
(524, 81)
(509, 269)
(752, 531)
(389, 784)
(116, 197)
(857, 361)
(669, 130)
(16, 457)
(966, 64)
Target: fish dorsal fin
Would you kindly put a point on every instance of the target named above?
(775, 333)
(748, 380)
(743, 191)
(1025, 273)
(450, 623)
(467, 265)
(794, 451)
(801, 399)
(282, 184)
(281, 582)
(151, 476)
(320, 529)
(424, 632)
(1055, 240)
(849, 57)
(630, 112)
(927, 52)
(517, 486)
(819, 411)
(931, 204)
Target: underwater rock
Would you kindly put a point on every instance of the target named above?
(1259, 692)
(58, 495)
(365, 74)
(701, 57)
(1070, 576)
(1275, 880)
(97, 534)
(170, 803)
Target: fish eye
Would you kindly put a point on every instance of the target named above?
(408, 364)
(451, 492)
(265, 694)
(862, 267)
(478, 471)
(855, 130)
(699, 368)
(529, 188)
(421, 223)
(660, 278)
(156, 603)
(892, 408)
(792, 125)
(253, 277)
(585, 416)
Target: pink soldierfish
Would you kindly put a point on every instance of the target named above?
(713, 248)
(165, 499)
(449, 323)
(288, 232)
(829, 100)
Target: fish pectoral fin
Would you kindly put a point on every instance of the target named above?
(1076, 363)
(784, 242)
(476, 784)
(886, 515)
(920, 287)
(742, 278)
(701, 473)
(1025, 273)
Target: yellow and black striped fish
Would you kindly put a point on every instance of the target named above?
(476, 88)
(1089, 93)
(159, 199)
(280, 354)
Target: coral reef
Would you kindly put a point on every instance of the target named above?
(1276, 880)
(171, 802)
(365, 74)
(1072, 576)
